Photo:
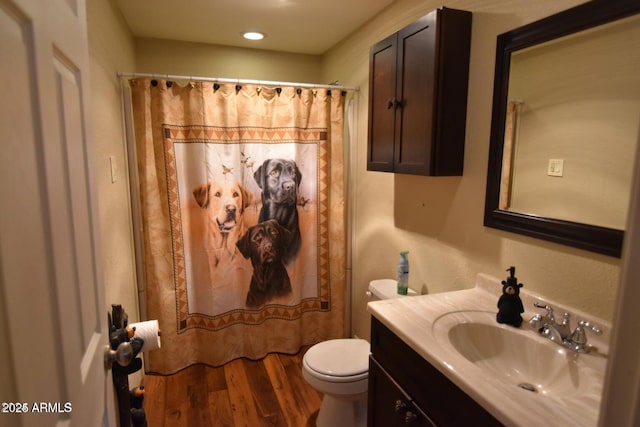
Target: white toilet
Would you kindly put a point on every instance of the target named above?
(339, 369)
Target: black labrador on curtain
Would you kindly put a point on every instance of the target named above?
(265, 243)
(279, 180)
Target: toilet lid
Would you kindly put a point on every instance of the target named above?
(339, 358)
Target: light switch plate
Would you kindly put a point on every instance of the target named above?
(556, 167)
(114, 169)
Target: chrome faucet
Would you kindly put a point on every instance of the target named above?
(560, 333)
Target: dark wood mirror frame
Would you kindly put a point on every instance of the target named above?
(598, 239)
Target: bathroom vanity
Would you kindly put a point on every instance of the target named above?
(405, 389)
(443, 360)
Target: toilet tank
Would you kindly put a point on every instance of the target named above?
(386, 289)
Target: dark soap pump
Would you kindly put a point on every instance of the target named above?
(510, 305)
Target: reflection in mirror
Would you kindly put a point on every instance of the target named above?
(572, 115)
(565, 125)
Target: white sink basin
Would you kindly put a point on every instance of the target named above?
(518, 356)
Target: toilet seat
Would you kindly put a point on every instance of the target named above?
(339, 369)
(339, 360)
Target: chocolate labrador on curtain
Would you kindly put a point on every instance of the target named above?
(265, 243)
(279, 180)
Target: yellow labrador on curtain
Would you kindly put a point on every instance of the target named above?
(224, 203)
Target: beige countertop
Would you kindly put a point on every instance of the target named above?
(413, 319)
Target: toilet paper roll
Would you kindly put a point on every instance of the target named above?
(149, 331)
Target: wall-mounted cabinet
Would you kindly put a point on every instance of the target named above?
(418, 80)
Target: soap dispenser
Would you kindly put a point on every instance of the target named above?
(509, 304)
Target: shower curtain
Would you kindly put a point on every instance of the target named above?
(242, 205)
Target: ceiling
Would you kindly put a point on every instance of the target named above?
(297, 26)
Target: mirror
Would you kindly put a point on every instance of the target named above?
(565, 125)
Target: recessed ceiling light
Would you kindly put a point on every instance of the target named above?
(253, 35)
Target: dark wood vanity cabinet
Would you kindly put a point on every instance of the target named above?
(404, 389)
(418, 82)
(390, 405)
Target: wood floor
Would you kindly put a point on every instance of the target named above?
(243, 393)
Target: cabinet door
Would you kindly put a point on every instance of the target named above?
(382, 104)
(416, 65)
(389, 405)
(418, 82)
(430, 390)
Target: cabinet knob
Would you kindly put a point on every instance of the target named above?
(400, 405)
(410, 417)
(393, 103)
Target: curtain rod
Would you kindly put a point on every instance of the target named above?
(237, 81)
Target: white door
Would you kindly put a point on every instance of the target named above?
(53, 318)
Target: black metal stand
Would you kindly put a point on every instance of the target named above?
(119, 333)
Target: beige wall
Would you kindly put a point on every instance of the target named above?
(203, 60)
(111, 49)
(439, 220)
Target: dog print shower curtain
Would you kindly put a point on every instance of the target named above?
(242, 206)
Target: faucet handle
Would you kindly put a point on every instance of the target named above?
(546, 307)
(536, 322)
(584, 324)
(578, 337)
